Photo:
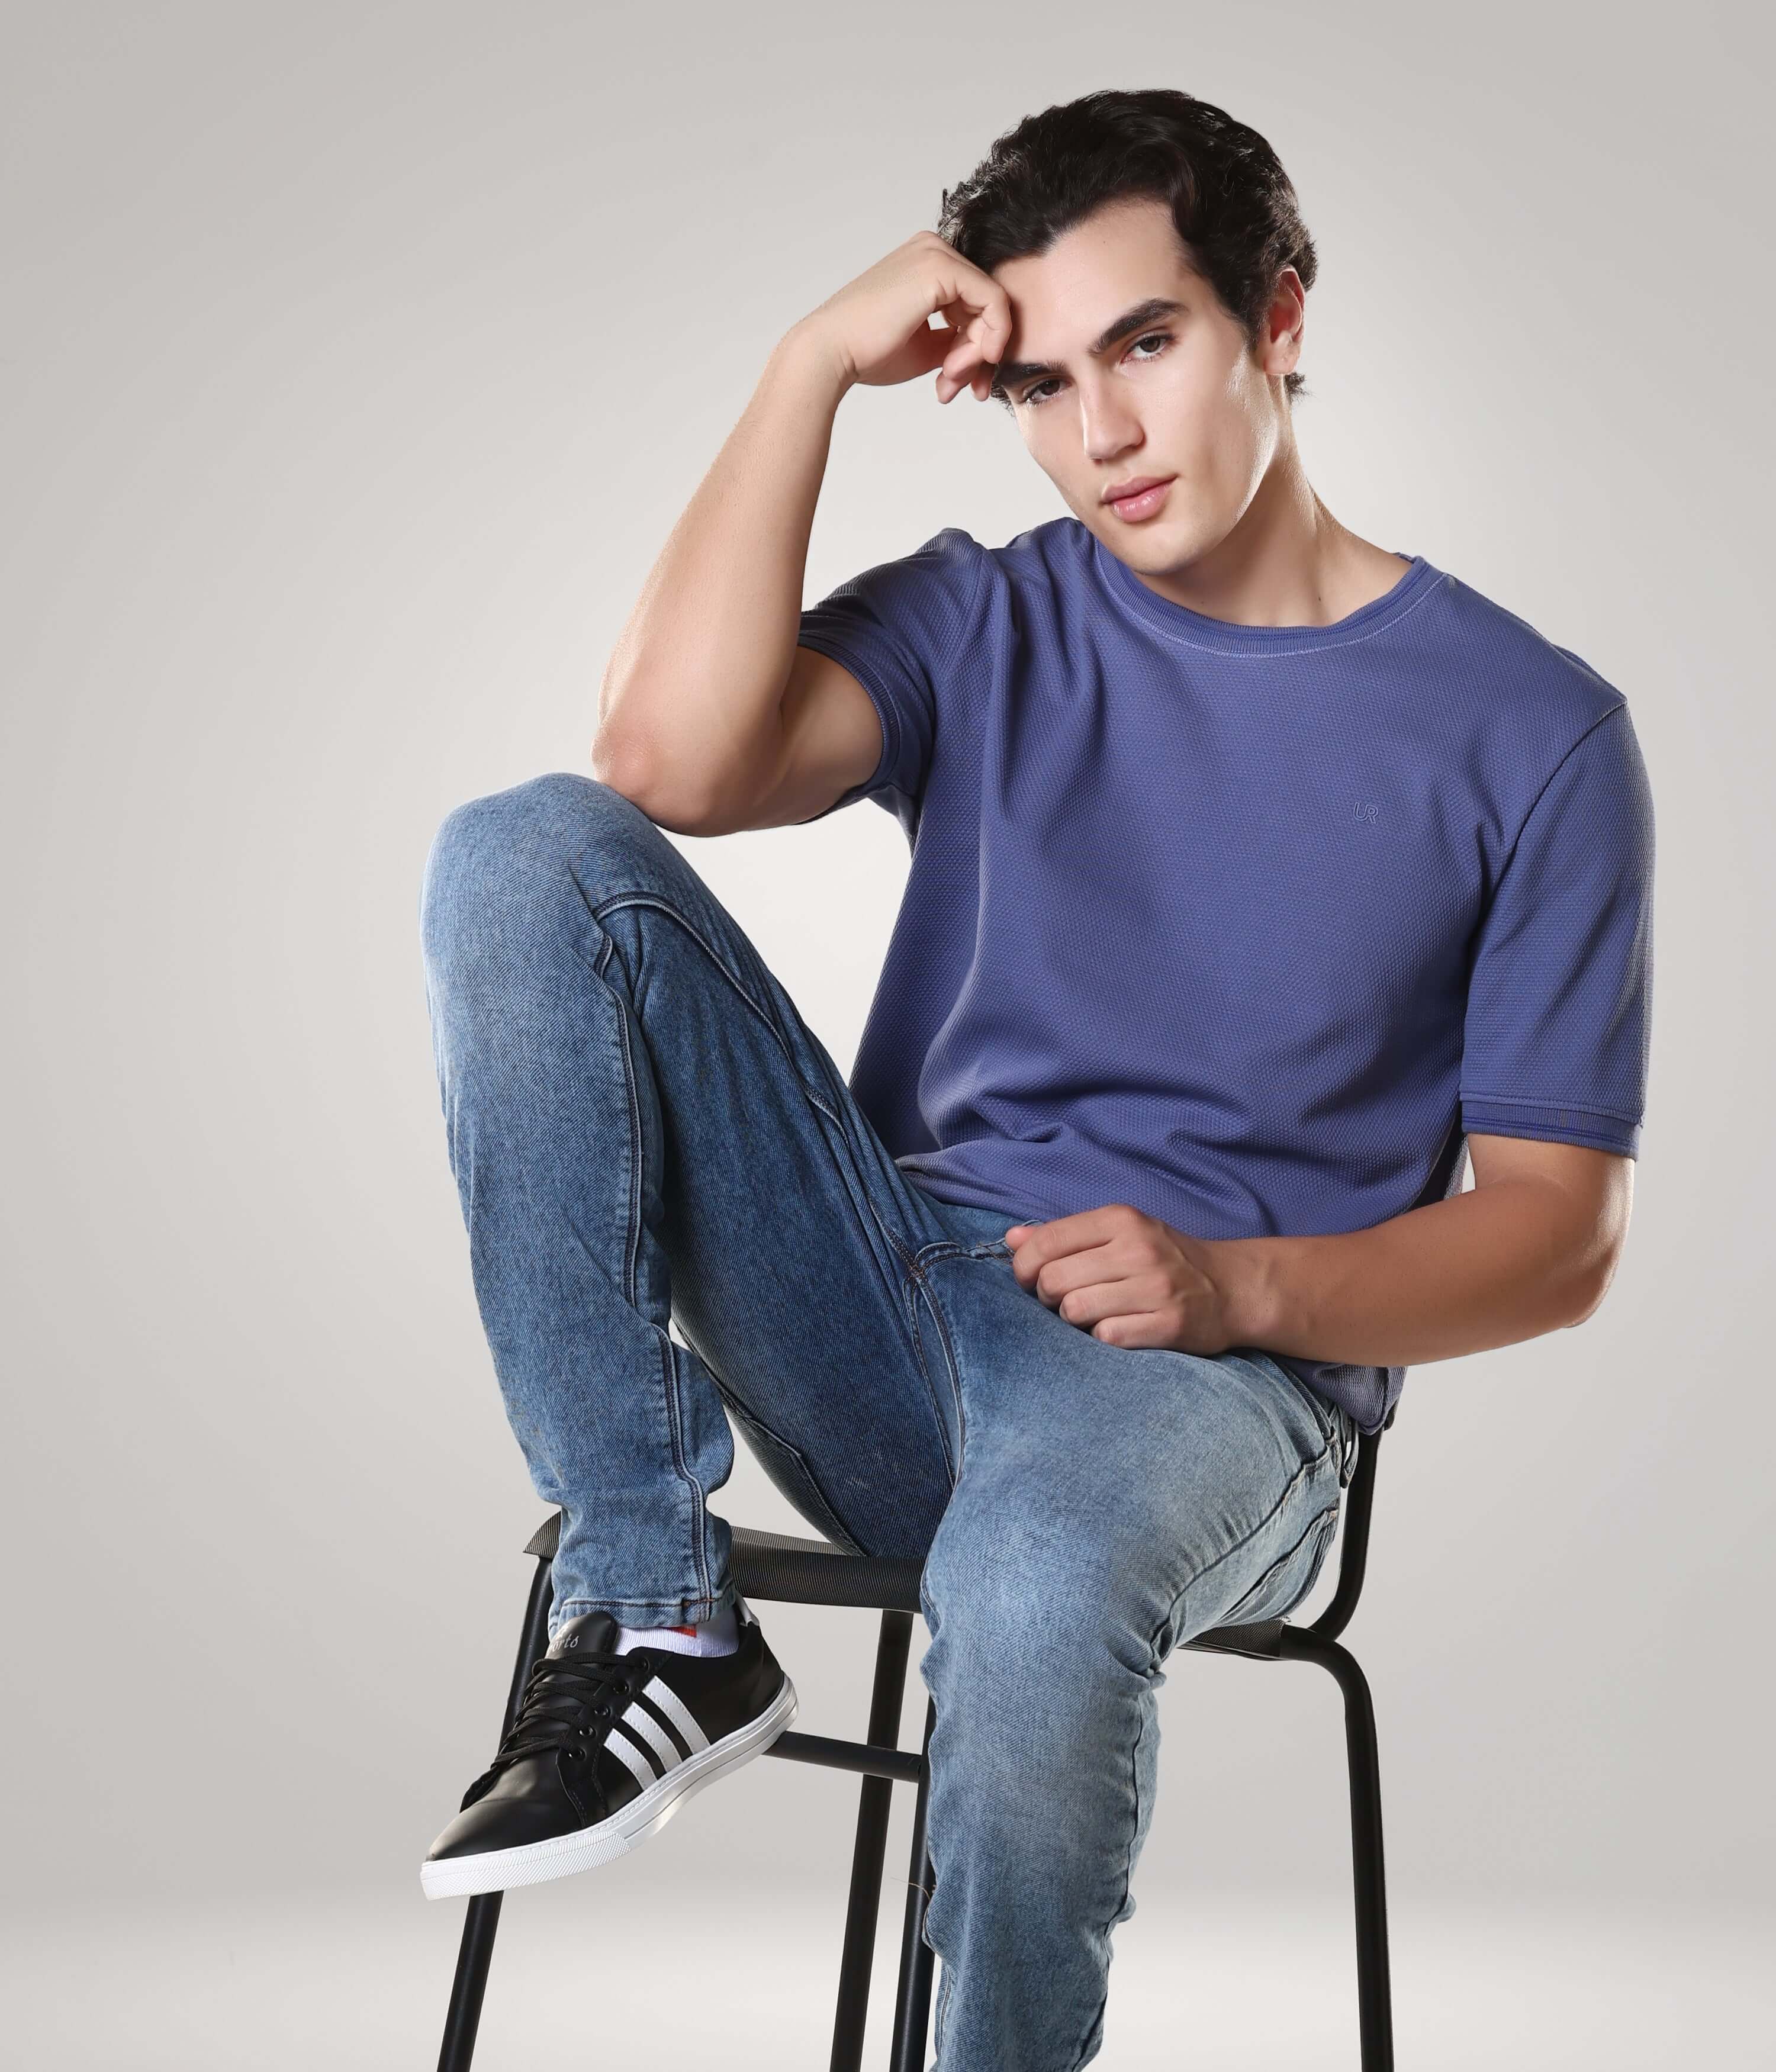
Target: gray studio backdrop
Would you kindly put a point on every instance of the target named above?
(354, 364)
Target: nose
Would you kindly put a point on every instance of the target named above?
(1109, 426)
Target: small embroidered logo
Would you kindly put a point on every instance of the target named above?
(1365, 814)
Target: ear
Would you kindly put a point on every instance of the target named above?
(1279, 335)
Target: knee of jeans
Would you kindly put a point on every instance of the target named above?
(495, 860)
(545, 820)
(1028, 1629)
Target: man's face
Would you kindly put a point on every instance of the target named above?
(1178, 394)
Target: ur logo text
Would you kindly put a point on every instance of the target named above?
(1365, 814)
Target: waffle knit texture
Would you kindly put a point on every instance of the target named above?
(1246, 926)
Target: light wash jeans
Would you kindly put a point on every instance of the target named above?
(643, 1129)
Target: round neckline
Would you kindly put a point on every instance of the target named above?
(1228, 637)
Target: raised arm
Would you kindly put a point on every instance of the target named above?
(710, 719)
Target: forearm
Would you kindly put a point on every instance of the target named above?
(690, 701)
(1488, 1268)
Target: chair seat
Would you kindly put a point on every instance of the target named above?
(795, 1570)
(787, 1569)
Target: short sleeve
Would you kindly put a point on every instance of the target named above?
(1559, 996)
(899, 628)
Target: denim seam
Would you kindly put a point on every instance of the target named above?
(904, 1252)
(1094, 2029)
(1335, 1422)
(617, 901)
(675, 1417)
(631, 1248)
(912, 1287)
(953, 1368)
(896, 1244)
(1306, 1468)
(835, 1525)
(1318, 1519)
(908, 1259)
(953, 1373)
(675, 1421)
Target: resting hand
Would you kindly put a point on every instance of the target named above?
(1129, 1279)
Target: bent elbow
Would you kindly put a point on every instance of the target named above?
(1589, 1288)
(673, 806)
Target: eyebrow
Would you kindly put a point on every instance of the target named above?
(1012, 373)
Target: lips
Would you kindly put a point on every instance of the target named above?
(1123, 490)
(1140, 500)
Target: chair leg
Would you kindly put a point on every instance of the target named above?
(475, 1953)
(1375, 1991)
(913, 2001)
(872, 1846)
(471, 1984)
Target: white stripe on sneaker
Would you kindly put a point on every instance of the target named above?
(661, 1693)
(620, 1745)
(643, 1727)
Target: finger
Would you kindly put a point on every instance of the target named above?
(1090, 1303)
(1096, 1295)
(977, 340)
(1062, 1235)
(1134, 1330)
(961, 357)
(1079, 1277)
(965, 367)
(984, 315)
(1100, 1266)
(929, 348)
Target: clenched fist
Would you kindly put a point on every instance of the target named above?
(1131, 1279)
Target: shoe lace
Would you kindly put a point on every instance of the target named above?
(566, 1706)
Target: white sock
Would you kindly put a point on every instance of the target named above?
(717, 1636)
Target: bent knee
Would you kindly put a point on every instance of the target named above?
(498, 858)
(544, 820)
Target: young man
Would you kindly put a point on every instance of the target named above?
(1258, 873)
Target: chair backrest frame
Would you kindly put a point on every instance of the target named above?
(1354, 1539)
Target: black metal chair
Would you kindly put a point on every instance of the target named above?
(776, 1565)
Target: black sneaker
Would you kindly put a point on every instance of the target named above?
(605, 1750)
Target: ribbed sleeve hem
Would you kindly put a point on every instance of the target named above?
(862, 666)
(1485, 1115)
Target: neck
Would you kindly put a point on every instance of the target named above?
(1287, 562)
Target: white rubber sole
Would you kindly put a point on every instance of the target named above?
(499, 1870)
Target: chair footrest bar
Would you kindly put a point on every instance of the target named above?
(899, 1765)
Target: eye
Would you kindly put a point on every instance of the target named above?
(1032, 396)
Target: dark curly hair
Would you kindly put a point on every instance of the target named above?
(1234, 205)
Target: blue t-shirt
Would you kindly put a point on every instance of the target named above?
(1245, 926)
